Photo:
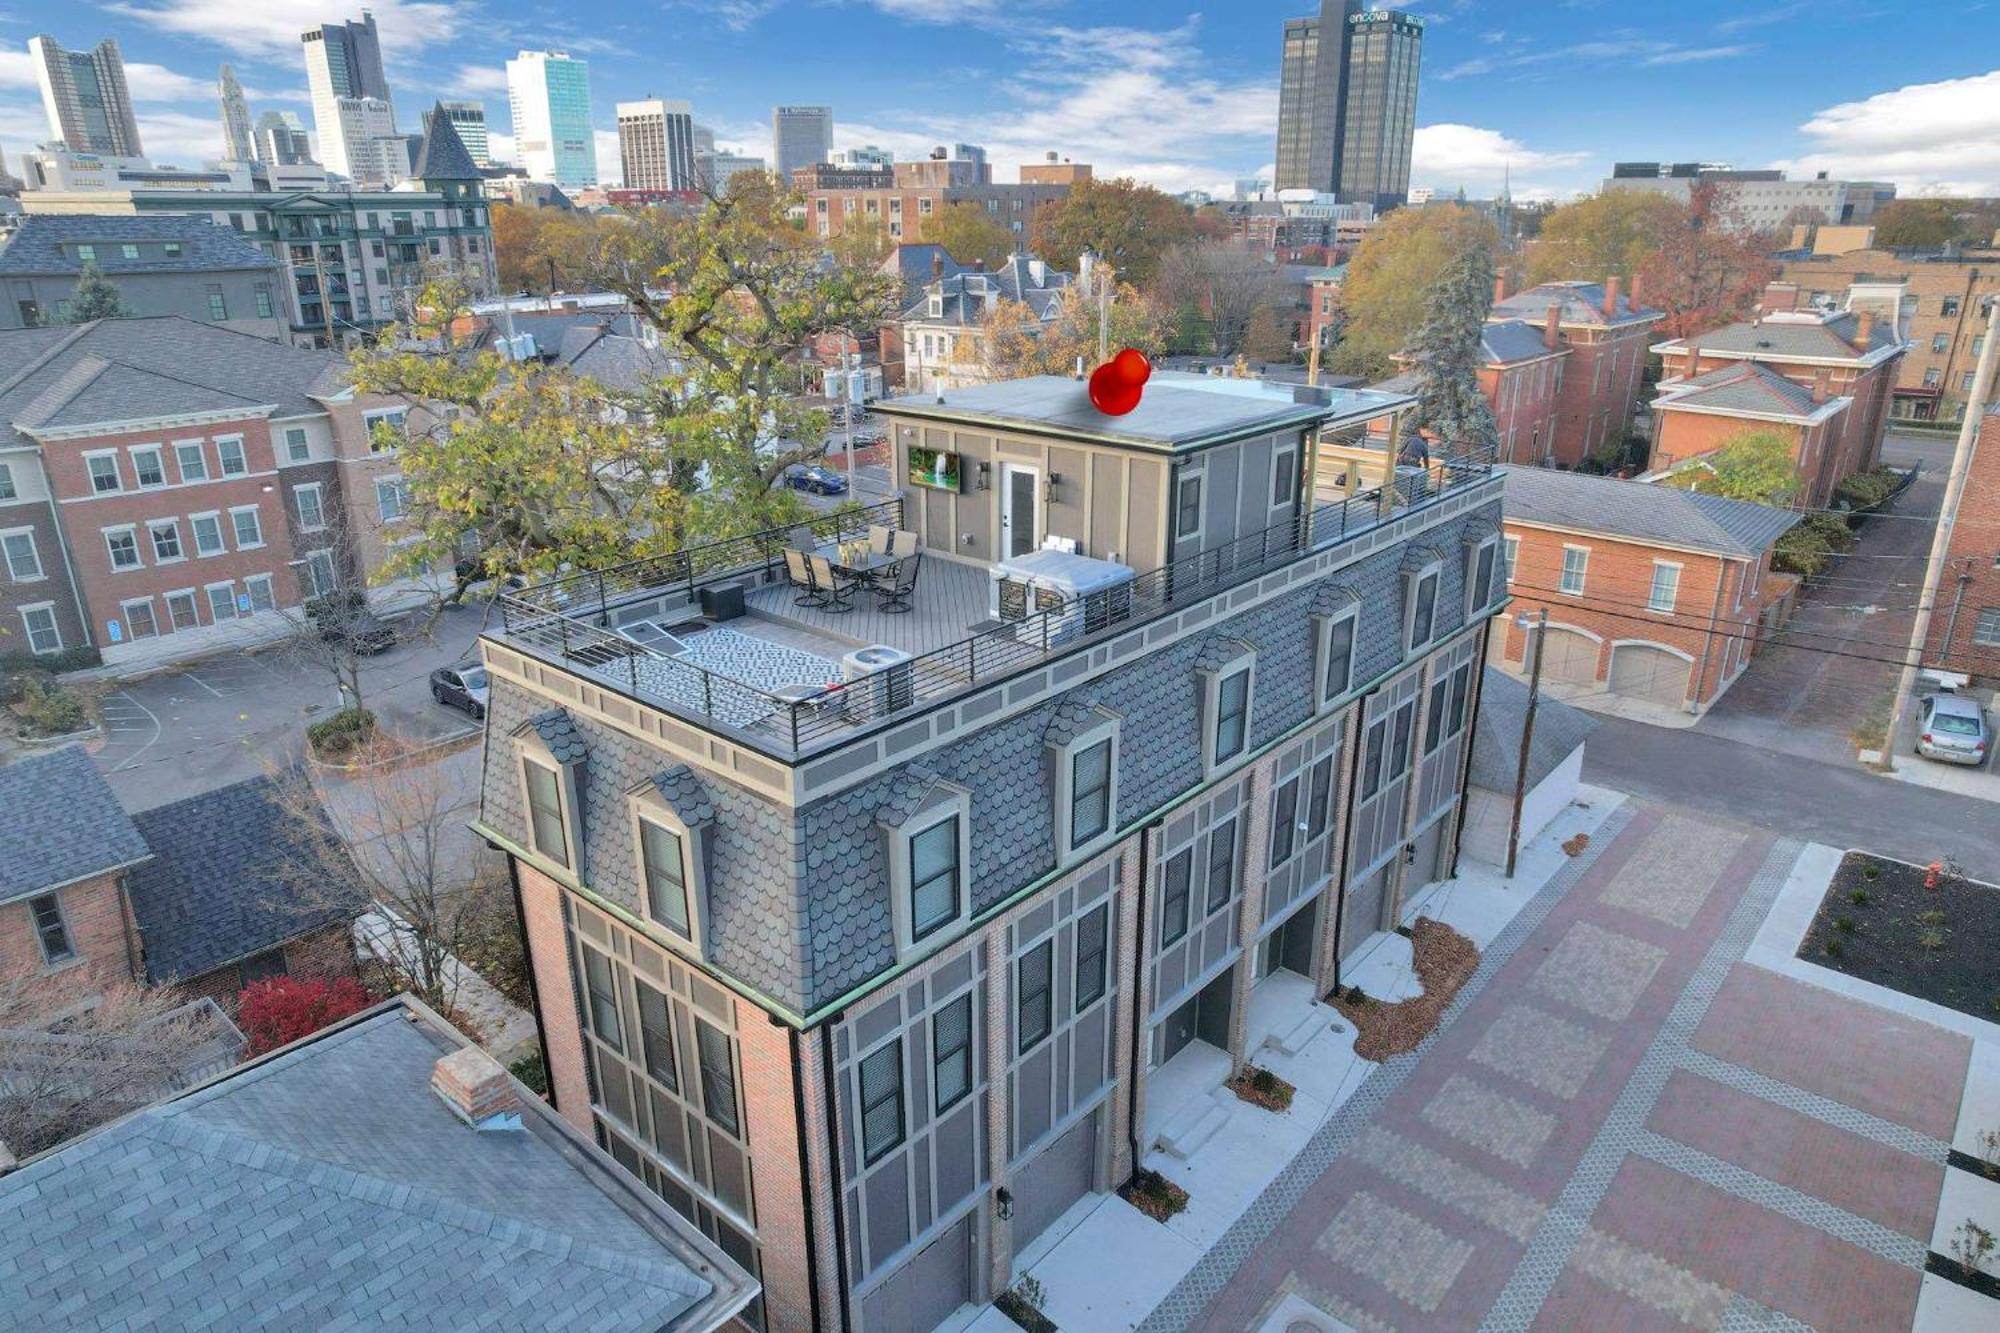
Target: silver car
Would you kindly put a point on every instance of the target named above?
(1953, 730)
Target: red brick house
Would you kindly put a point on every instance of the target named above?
(1831, 354)
(1965, 631)
(1653, 593)
(1521, 374)
(1606, 334)
(1696, 417)
(184, 894)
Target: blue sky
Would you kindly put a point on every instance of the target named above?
(1181, 95)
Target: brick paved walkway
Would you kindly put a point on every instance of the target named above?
(1621, 1125)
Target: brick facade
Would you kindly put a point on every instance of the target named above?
(1965, 630)
(1525, 394)
(321, 955)
(101, 934)
(1607, 336)
(555, 995)
(1680, 435)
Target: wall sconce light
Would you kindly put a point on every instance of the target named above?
(1049, 493)
(1003, 1203)
(980, 478)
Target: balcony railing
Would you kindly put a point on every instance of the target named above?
(568, 619)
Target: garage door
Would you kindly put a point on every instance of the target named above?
(928, 1289)
(1053, 1179)
(1361, 911)
(1568, 656)
(1654, 674)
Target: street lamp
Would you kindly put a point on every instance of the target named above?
(1539, 623)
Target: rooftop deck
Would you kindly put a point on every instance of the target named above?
(774, 677)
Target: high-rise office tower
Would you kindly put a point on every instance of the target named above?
(1347, 102)
(282, 140)
(237, 145)
(549, 93)
(800, 137)
(85, 96)
(469, 120)
(344, 65)
(656, 145)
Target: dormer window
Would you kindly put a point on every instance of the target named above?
(1334, 638)
(1227, 668)
(551, 752)
(1482, 559)
(671, 822)
(937, 307)
(548, 823)
(930, 856)
(1420, 600)
(1083, 744)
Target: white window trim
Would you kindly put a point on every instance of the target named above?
(8, 484)
(1323, 627)
(125, 614)
(130, 530)
(1473, 551)
(55, 624)
(243, 452)
(7, 561)
(530, 748)
(194, 602)
(270, 591)
(117, 473)
(375, 414)
(175, 524)
(1200, 480)
(1065, 756)
(194, 534)
(1652, 588)
(1583, 573)
(1510, 555)
(255, 512)
(290, 457)
(159, 454)
(394, 479)
(1412, 583)
(946, 801)
(208, 595)
(181, 470)
(1211, 709)
(319, 506)
(647, 806)
(1276, 454)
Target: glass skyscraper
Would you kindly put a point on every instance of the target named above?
(84, 94)
(549, 94)
(1347, 103)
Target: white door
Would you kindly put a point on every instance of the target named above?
(1020, 494)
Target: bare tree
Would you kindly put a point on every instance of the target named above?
(1221, 284)
(76, 1054)
(393, 838)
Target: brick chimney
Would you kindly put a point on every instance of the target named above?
(1611, 286)
(477, 1089)
(937, 265)
(1693, 361)
(1499, 286)
(1864, 331)
(1552, 327)
(1633, 295)
(1819, 386)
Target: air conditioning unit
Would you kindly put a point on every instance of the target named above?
(879, 679)
(1079, 594)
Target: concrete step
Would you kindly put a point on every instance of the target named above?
(1292, 1040)
(1195, 1124)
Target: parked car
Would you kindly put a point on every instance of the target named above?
(1952, 729)
(869, 435)
(344, 616)
(815, 479)
(462, 686)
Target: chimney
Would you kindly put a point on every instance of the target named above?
(1552, 329)
(1864, 331)
(1633, 295)
(476, 1088)
(979, 265)
(1499, 286)
(1694, 360)
(937, 265)
(1819, 386)
(1611, 285)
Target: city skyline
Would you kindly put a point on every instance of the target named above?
(1880, 105)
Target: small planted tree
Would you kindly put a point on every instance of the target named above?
(1753, 465)
(95, 297)
(1447, 353)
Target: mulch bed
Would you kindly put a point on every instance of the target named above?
(1261, 1087)
(1445, 960)
(1879, 923)
(1153, 1194)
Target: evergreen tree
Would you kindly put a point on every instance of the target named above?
(95, 298)
(1446, 353)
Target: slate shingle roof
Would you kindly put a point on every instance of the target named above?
(1581, 302)
(60, 823)
(1496, 744)
(329, 1187)
(1804, 335)
(1503, 341)
(559, 733)
(969, 294)
(215, 892)
(37, 245)
(151, 365)
(1745, 386)
(442, 156)
(615, 360)
(1643, 511)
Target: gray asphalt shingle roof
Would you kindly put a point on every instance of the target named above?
(1507, 340)
(152, 366)
(1745, 386)
(1830, 338)
(328, 1186)
(38, 245)
(1496, 745)
(214, 894)
(59, 823)
(1581, 303)
(442, 156)
(1642, 511)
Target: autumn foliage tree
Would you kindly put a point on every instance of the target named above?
(1129, 225)
(1382, 297)
(969, 233)
(1709, 269)
(276, 1011)
(1609, 233)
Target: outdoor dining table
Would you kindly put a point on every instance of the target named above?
(857, 557)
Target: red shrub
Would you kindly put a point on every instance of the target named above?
(278, 1010)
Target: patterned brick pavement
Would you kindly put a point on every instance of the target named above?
(1619, 1125)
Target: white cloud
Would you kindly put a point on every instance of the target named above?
(272, 27)
(17, 71)
(157, 83)
(476, 81)
(610, 167)
(1691, 54)
(1622, 46)
(499, 146)
(1448, 156)
(1923, 136)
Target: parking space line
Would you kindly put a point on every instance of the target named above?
(189, 675)
(131, 759)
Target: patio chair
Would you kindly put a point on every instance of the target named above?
(897, 585)
(799, 573)
(838, 591)
(880, 539)
(902, 542)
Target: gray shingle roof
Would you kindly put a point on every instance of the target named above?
(328, 1186)
(1507, 340)
(1643, 512)
(559, 733)
(614, 360)
(151, 366)
(442, 155)
(61, 824)
(37, 245)
(969, 294)
(1581, 302)
(684, 793)
(1496, 748)
(214, 892)
(1745, 386)
(1830, 337)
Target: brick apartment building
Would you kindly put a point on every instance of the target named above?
(1521, 374)
(1695, 417)
(181, 895)
(955, 943)
(1606, 333)
(1652, 592)
(1947, 300)
(899, 197)
(169, 486)
(1831, 354)
(1965, 631)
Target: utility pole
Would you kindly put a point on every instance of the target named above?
(1954, 491)
(1541, 628)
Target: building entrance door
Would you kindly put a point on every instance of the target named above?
(1020, 493)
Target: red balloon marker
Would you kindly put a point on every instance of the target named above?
(1116, 385)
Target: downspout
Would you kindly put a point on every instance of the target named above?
(839, 1209)
(1133, 1129)
(534, 988)
(1951, 621)
(805, 1195)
